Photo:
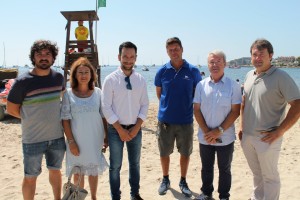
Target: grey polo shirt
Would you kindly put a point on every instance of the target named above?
(266, 98)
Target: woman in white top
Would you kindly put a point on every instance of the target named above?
(84, 125)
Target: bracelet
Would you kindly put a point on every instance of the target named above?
(71, 141)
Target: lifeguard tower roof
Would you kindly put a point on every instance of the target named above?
(86, 15)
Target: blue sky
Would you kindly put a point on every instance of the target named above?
(202, 26)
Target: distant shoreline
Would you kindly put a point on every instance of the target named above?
(275, 65)
(14, 67)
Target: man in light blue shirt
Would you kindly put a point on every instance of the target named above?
(125, 106)
(216, 106)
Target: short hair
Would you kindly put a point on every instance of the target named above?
(82, 61)
(173, 40)
(127, 45)
(39, 45)
(217, 53)
(261, 44)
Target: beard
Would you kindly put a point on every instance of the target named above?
(127, 67)
(43, 64)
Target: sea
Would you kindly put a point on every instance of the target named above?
(149, 75)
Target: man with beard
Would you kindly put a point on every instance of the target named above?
(35, 99)
(125, 107)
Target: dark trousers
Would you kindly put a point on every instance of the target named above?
(224, 157)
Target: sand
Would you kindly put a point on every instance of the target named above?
(11, 165)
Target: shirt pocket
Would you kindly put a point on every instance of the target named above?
(225, 100)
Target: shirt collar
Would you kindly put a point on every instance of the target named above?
(271, 70)
(223, 79)
(120, 72)
(169, 65)
(268, 72)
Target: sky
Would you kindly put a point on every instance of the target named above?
(201, 25)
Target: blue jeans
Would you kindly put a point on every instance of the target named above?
(224, 157)
(116, 157)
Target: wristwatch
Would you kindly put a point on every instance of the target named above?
(221, 129)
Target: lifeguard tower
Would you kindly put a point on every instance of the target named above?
(90, 52)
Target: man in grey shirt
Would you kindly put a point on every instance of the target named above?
(267, 92)
(35, 98)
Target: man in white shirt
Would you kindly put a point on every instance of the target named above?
(125, 106)
(217, 104)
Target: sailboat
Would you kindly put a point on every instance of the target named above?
(4, 62)
(235, 66)
(145, 68)
(6, 73)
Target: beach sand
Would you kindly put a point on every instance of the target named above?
(11, 167)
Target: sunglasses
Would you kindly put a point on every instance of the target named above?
(128, 86)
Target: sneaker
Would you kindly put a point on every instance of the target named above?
(185, 188)
(136, 197)
(164, 186)
(203, 197)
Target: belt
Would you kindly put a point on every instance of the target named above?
(127, 127)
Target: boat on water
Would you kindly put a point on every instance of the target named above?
(235, 66)
(7, 76)
(8, 73)
(145, 68)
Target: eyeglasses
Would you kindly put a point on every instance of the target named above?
(128, 86)
(215, 62)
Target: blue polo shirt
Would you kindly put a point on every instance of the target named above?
(177, 91)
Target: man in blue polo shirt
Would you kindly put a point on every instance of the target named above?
(175, 84)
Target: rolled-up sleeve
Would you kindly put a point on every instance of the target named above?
(106, 102)
(144, 103)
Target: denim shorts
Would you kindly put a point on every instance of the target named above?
(169, 133)
(54, 151)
